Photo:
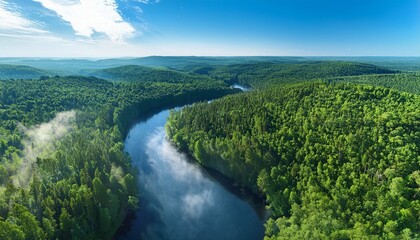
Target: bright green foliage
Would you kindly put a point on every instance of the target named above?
(135, 73)
(9, 231)
(84, 187)
(407, 82)
(335, 161)
(262, 75)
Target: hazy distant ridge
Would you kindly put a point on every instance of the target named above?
(21, 72)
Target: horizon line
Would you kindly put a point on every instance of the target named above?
(209, 56)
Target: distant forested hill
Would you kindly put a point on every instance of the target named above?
(261, 75)
(393, 63)
(82, 66)
(407, 82)
(335, 161)
(21, 72)
(135, 73)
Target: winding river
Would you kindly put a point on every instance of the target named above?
(178, 198)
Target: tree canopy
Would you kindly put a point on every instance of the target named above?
(63, 172)
(337, 161)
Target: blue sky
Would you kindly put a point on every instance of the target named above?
(130, 28)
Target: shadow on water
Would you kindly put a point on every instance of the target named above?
(178, 198)
(257, 202)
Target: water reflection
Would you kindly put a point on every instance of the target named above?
(178, 199)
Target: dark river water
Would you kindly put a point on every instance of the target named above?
(178, 198)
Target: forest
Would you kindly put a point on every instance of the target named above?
(8, 71)
(263, 75)
(331, 145)
(63, 172)
(406, 82)
(135, 73)
(336, 157)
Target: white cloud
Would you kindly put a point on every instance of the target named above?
(147, 1)
(13, 21)
(29, 45)
(194, 204)
(89, 16)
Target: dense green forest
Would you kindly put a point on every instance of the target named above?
(410, 64)
(86, 66)
(335, 161)
(135, 73)
(332, 145)
(407, 82)
(63, 173)
(262, 75)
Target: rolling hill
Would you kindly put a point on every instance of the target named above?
(269, 73)
(135, 73)
(8, 71)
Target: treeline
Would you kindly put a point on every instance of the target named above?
(406, 82)
(82, 184)
(136, 73)
(261, 75)
(335, 161)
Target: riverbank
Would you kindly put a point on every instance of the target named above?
(179, 199)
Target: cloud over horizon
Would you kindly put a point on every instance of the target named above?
(12, 20)
(133, 28)
(88, 17)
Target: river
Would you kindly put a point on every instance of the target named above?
(178, 198)
(241, 87)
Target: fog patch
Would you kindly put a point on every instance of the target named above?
(194, 204)
(117, 171)
(40, 142)
(175, 162)
(181, 193)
